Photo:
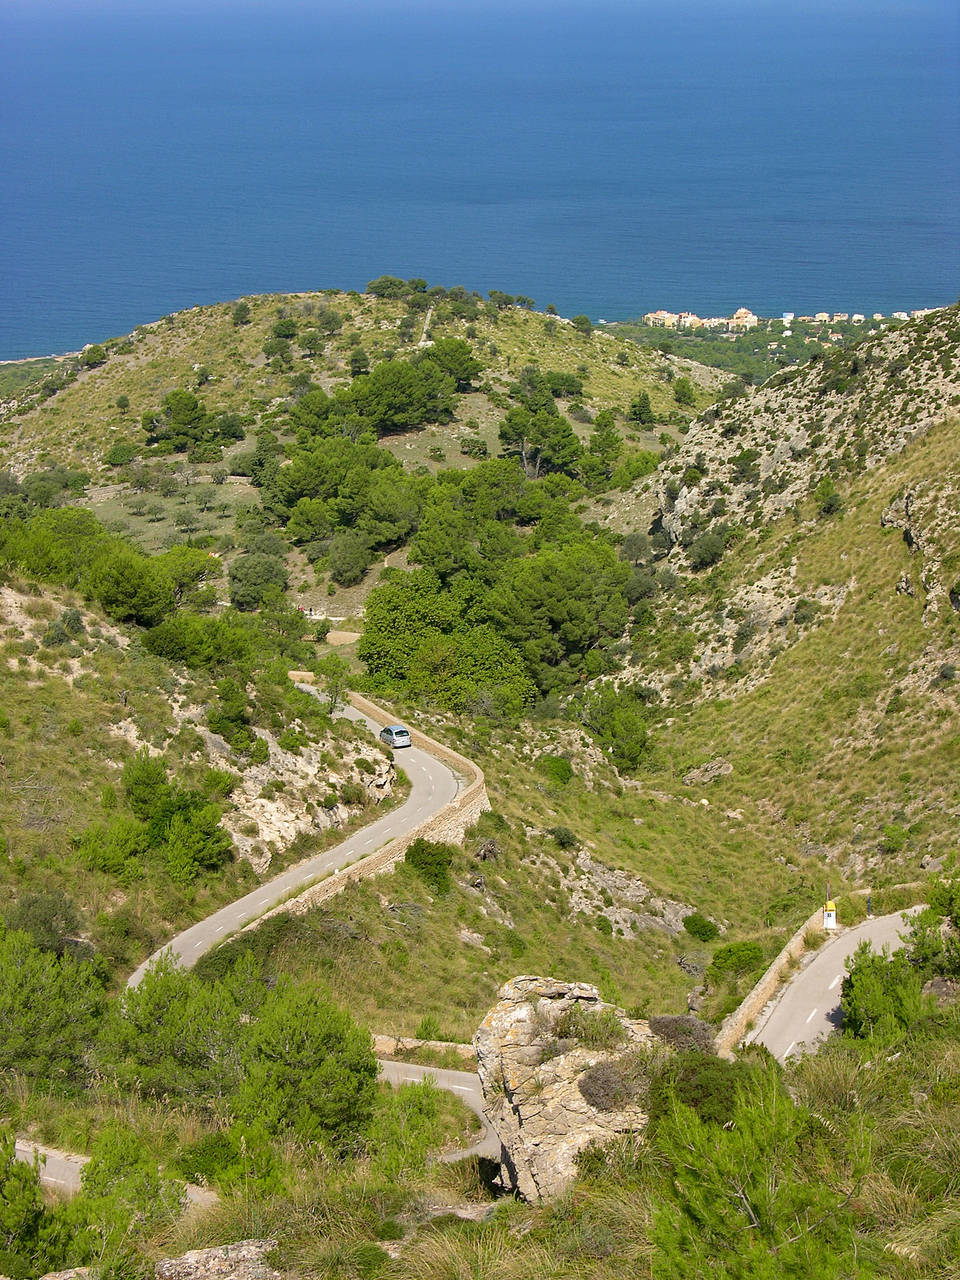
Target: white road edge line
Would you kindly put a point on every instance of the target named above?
(811, 1015)
(834, 982)
(783, 1056)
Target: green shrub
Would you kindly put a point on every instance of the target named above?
(593, 1028)
(705, 551)
(805, 611)
(428, 1028)
(118, 455)
(565, 838)
(700, 927)
(702, 1081)
(893, 838)
(828, 499)
(737, 958)
(431, 859)
(204, 1160)
(55, 635)
(473, 447)
(557, 769)
(353, 792)
(881, 994)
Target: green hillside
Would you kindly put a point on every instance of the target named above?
(706, 656)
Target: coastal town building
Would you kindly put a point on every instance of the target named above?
(661, 319)
(743, 319)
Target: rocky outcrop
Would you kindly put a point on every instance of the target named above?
(708, 772)
(242, 1261)
(924, 516)
(753, 457)
(560, 1070)
(593, 889)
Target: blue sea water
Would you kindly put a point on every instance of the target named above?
(608, 157)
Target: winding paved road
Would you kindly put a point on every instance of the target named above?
(808, 1007)
(432, 785)
(465, 1084)
(60, 1171)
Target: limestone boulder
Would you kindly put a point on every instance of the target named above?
(559, 1069)
(242, 1261)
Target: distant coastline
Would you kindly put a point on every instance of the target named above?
(740, 321)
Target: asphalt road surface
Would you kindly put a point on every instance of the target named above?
(465, 1084)
(808, 1007)
(58, 1169)
(432, 785)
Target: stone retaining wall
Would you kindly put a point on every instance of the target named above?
(449, 824)
(736, 1025)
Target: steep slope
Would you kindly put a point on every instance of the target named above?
(83, 702)
(754, 457)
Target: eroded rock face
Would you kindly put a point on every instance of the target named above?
(535, 1076)
(241, 1261)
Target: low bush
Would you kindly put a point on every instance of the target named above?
(706, 1083)
(118, 455)
(612, 1084)
(737, 958)
(684, 1032)
(592, 1028)
(431, 859)
(557, 769)
(700, 927)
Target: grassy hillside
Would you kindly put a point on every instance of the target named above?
(715, 712)
(204, 348)
(82, 697)
(94, 403)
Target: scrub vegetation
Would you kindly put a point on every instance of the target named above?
(692, 711)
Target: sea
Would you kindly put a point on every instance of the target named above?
(609, 157)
